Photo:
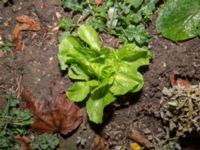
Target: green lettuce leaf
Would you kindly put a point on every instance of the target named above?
(133, 54)
(126, 79)
(179, 20)
(89, 35)
(97, 102)
(78, 91)
(68, 42)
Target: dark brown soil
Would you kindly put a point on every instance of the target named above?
(37, 66)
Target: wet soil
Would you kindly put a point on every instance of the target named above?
(36, 66)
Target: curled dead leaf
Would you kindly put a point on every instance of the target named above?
(98, 2)
(24, 23)
(1, 53)
(24, 142)
(58, 115)
(139, 138)
(99, 143)
(178, 82)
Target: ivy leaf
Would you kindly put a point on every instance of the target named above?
(74, 5)
(135, 3)
(179, 20)
(78, 91)
(137, 33)
(112, 17)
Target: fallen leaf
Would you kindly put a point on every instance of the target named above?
(1, 53)
(24, 142)
(135, 146)
(178, 82)
(139, 138)
(24, 23)
(99, 143)
(58, 115)
(98, 2)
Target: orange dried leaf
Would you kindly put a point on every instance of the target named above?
(1, 53)
(26, 23)
(139, 138)
(99, 143)
(184, 83)
(98, 2)
(178, 82)
(57, 115)
(24, 142)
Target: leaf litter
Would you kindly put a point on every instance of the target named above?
(57, 115)
(24, 23)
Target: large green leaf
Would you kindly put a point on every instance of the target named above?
(126, 79)
(133, 54)
(78, 91)
(179, 19)
(90, 36)
(67, 43)
(96, 103)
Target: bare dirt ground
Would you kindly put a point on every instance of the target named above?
(37, 66)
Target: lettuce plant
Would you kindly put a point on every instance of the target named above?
(100, 74)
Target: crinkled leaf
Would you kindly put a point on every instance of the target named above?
(179, 19)
(58, 114)
(95, 105)
(90, 36)
(78, 91)
(126, 79)
(67, 43)
(135, 55)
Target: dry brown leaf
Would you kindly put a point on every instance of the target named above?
(1, 53)
(99, 143)
(24, 142)
(139, 138)
(98, 2)
(178, 82)
(57, 115)
(24, 23)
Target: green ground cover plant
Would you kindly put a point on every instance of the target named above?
(100, 74)
(14, 122)
(124, 19)
(6, 45)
